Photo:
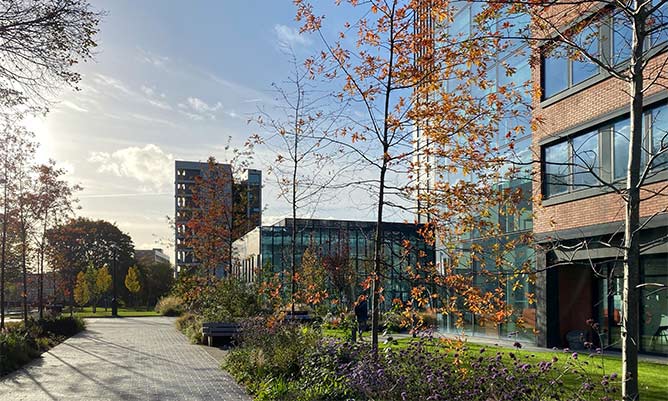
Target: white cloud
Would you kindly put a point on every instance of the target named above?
(290, 37)
(201, 106)
(197, 109)
(148, 165)
(111, 82)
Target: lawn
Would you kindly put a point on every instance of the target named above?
(653, 383)
(122, 312)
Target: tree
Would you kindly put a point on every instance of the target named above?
(132, 280)
(102, 284)
(81, 289)
(80, 242)
(157, 279)
(16, 150)
(306, 164)
(219, 213)
(312, 279)
(53, 203)
(42, 41)
(394, 71)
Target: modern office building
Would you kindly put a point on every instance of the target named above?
(243, 199)
(151, 256)
(580, 148)
(522, 324)
(267, 250)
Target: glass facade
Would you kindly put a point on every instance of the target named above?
(653, 304)
(353, 239)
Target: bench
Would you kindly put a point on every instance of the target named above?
(218, 329)
(299, 316)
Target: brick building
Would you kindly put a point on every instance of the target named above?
(582, 145)
(579, 146)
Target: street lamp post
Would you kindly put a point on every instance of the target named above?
(114, 301)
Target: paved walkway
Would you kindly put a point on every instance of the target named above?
(123, 359)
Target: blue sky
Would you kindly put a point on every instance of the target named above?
(171, 80)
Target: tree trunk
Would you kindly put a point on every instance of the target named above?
(42, 250)
(377, 257)
(630, 300)
(3, 258)
(24, 269)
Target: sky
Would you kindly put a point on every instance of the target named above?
(171, 80)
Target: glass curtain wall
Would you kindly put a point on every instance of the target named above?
(513, 141)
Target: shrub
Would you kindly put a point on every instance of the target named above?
(169, 306)
(227, 301)
(191, 326)
(19, 343)
(16, 349)
(62, 325)
(269, 350)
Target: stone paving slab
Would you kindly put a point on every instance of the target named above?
(123, 359)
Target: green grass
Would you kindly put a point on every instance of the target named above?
(122, 312)
(653, 376)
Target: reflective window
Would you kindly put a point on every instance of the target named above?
(555, 75)
(659, 124)
(620, 145)
(557, 171)
(585, 159)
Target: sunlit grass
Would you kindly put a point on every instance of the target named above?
(122, 312)
(653, 376)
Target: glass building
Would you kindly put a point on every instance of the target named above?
(267, 249)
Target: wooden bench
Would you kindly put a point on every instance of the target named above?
(218, 329)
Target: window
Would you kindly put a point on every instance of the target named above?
(584, 159)
(608, 38)
(620, 149)
(557, 171)
(659, 137)
(561, 70)
(555, 75)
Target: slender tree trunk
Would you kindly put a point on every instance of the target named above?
(42, 250)
(293, 237)
(630, 300)
(378, 236)
(24, 269)
(3, 258)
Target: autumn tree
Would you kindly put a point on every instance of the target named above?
(102, 284)
(394, 71)
(312, 279)
(307, 166)
(132, 282)
(52, 204)
(16, 151)
(81, 289)
(80, 242)
(210, 229)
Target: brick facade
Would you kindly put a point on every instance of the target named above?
(576, 110)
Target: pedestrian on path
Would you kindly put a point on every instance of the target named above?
(362, 314)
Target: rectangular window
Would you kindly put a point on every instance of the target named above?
(583, 69)
(585, 159)
(620, 146)
(621, 39)
(659, 133)
(555, 75)
(557, 168)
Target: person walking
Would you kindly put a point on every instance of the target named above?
(362, 314)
